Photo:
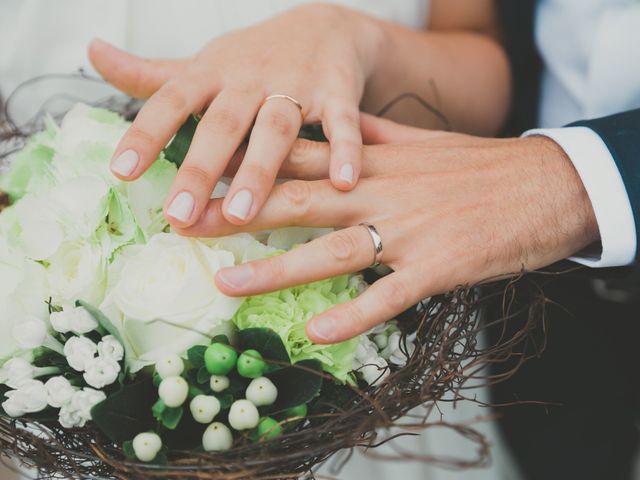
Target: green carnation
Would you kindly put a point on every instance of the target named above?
(287, 312)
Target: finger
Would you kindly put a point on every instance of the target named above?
(344, 251)
(382, 301)
(158, 120)
(218, 135)
(135, 76)
(276, 128)
(376, 130)
(341, 124)
(296, 202)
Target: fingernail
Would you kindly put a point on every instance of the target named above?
(181, 207)
(346, 173)
(240, 204)
(236, 277)
(322, 328)
(126, 163)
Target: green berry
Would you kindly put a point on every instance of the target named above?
(251, 364)
(219, 359)
(269, 428)
(299, 411)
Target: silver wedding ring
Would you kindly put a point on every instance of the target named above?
(377, 243)
(286, 97)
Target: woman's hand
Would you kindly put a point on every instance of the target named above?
(320, 55)
(451, 210)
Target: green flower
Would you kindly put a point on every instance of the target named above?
(287, 312)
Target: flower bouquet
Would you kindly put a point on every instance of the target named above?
(120, 358)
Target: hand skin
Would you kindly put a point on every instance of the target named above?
(327, 57)
(451, 210)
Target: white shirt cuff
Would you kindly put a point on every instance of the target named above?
(603, 183)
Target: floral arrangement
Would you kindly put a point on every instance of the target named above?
(112, 320)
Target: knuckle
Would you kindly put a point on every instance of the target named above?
(356, 316)
(258, 176)
(195, 174)
(280, 124)
(274, 267)
(394, 296)
(297, 197)
(171, 98)
(222, 120)
(348, 119)
(140, 135)
(341, 245)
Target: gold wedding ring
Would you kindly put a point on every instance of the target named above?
(377, 243)
(286, 97)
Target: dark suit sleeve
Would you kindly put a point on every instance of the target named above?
(621, 135)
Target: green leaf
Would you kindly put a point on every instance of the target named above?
(179, 146)
(105, 323)
(124, 414)
(158, 409)
(295, 385)
(127, 449)
(225, 400)
(157, 379)
(196, 355)
(221, 339)
(203, 375)
(171, 417)
(265, 341)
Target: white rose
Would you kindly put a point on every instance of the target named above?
(77, 272)
(73, 319)
(100, 372)
(23, 293)
(31, 333)
(164, 299)
(59, 391)
(79, 351)
(30, 397)
(110, 348)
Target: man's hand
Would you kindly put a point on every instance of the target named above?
(451, 210)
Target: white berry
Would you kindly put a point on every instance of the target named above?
(219, 383)
(170, 366)
(243, 415)
(261, 392)
(217, 437)
(173, 391)
(204, 408)
(146, 446)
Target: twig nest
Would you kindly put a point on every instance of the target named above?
(170, 366)
(146, 446)
(261, 392)
(219, 383)
(217, 437)
(204, 408)
(173, 391)
(243, 415)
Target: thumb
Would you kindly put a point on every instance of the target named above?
(135, 76)
(376, 130)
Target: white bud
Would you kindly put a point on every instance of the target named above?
(261, 392)
(30, 333)
(77, 412)
(79, 351)
(204, 408)
(110, 348)
(381, 340)
(30, 397)
(173, 391)
(100, 372)
(217, 437)
(59, 391)
(73, 319)
(146, 446)
(374, 371)
(243, 415)
(219, 383)
(170, 366)
(16, 371)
